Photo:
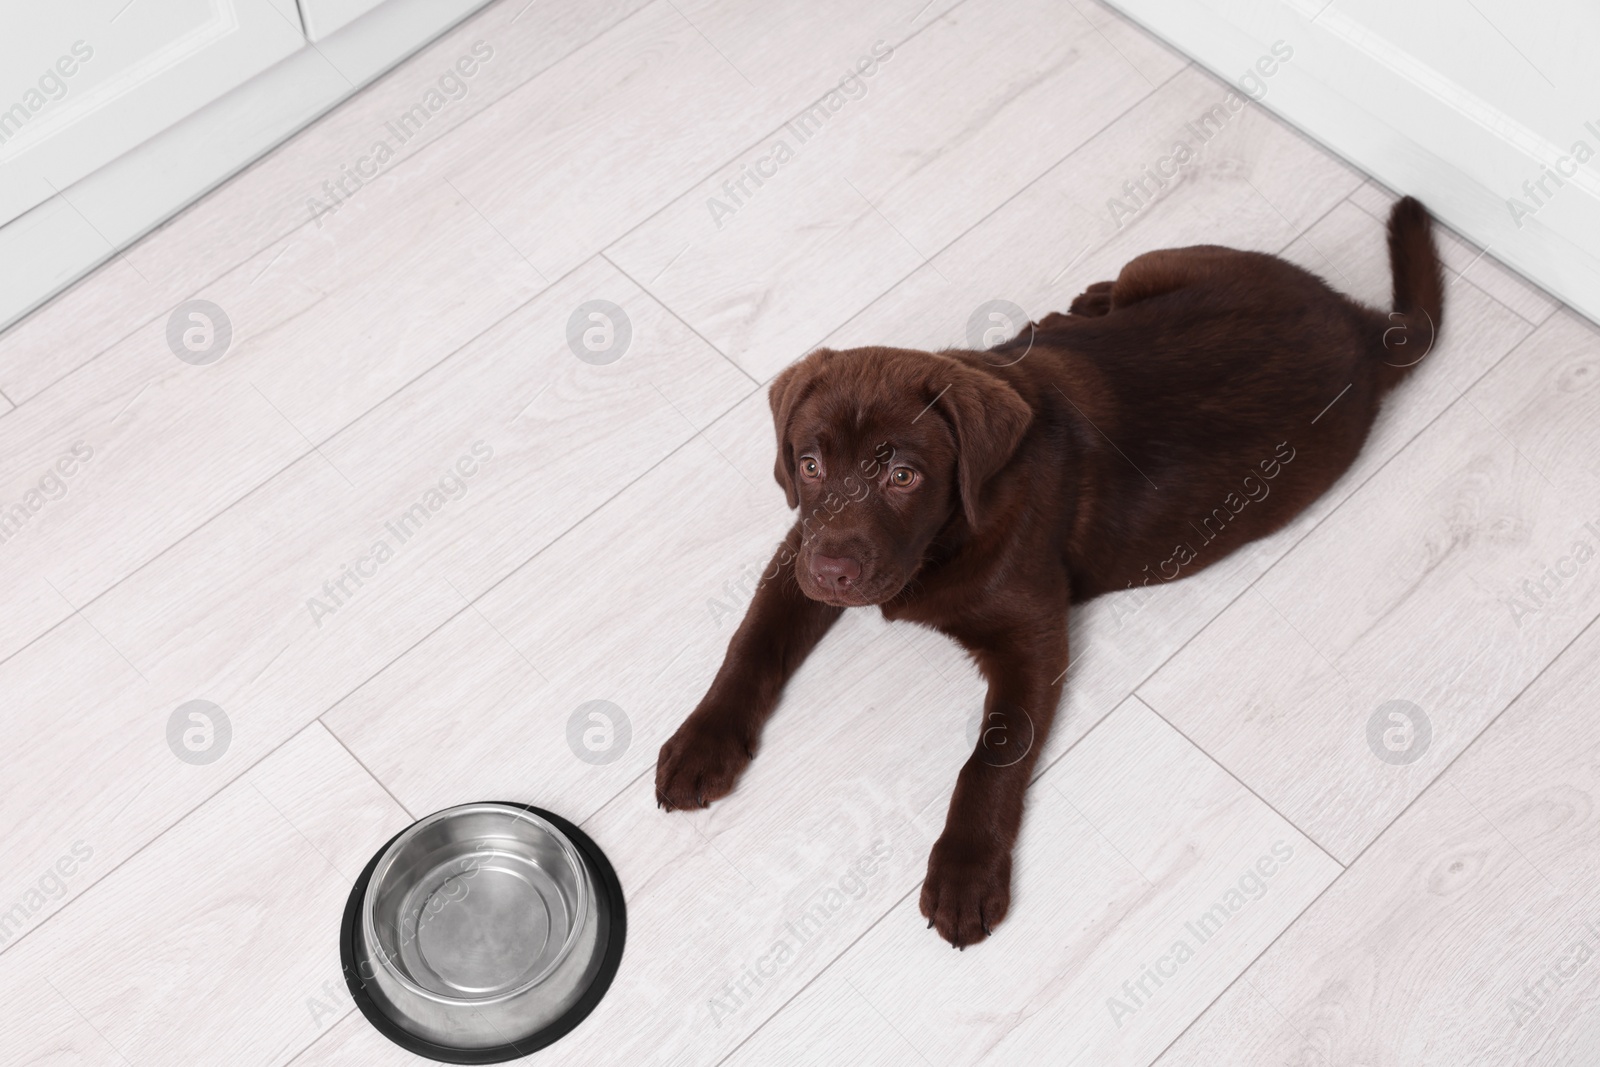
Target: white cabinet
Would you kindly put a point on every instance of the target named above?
(323, 17)
(114, 114)
(1488, 111)
(82, 83)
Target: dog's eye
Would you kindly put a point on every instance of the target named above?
(903, 477)
(809, 467)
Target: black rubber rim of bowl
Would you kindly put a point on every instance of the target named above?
(613, 919)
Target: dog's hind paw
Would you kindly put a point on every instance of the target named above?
(1093, 301)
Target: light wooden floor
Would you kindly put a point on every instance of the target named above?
(1438, 911)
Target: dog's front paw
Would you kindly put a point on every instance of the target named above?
(968, 889)
(700, 763)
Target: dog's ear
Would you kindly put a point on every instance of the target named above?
(988, 418)
(785, 394)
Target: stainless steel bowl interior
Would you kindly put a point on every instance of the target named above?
(477, 903)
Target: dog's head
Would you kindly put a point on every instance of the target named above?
(880, 448)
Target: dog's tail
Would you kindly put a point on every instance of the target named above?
(1412, 328)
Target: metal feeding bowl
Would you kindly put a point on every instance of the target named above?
(483, 933)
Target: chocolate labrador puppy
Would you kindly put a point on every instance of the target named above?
(1201, 400)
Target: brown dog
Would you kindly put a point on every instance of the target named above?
(1201, 400)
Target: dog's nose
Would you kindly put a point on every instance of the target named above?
(834, 572)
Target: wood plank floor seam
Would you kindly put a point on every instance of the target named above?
(1198, 735)
(892, 906)
(686, 324)
(313, 449)
(318, 719)
(20, 938)
(1356, 860)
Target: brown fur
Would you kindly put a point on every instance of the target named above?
(1200, 401)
